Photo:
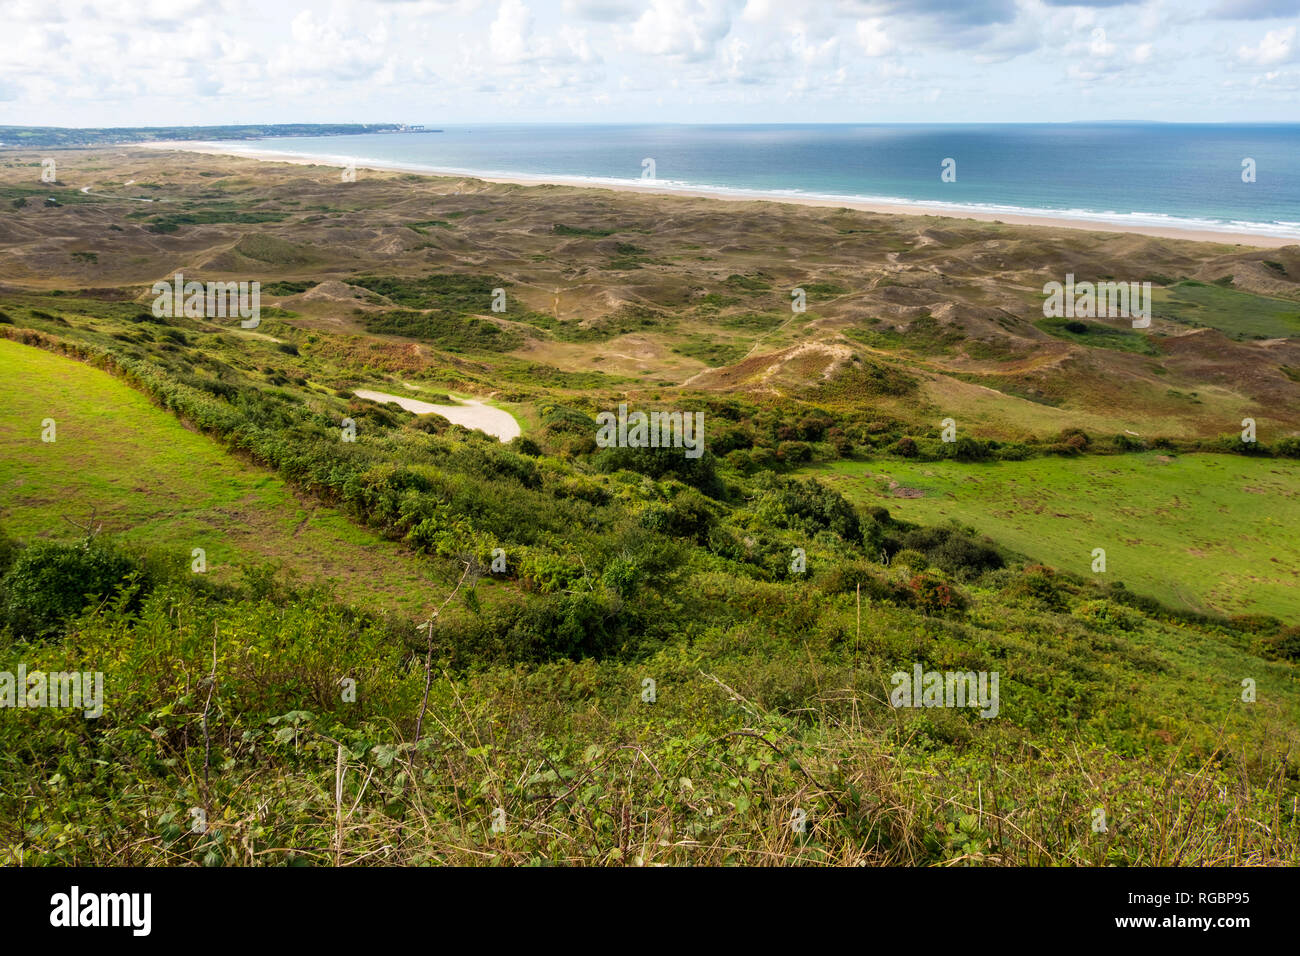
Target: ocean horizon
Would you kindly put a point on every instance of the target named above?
(1172, 175)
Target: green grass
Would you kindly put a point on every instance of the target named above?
(1234, 313)
(1097, 335)
(560, 229)
(171, 223)
(152, 482)
(455, 333)
(423, 227)
(457, 293)
(712, 353)
(1207, 532)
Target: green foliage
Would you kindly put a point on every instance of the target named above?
(807, 506)
(450, 331)
(661, 463)
(450, 293)
(288, 287)
(951, 548)
(562, 230)
(172, 222)
(1098, 335)
(49, 582)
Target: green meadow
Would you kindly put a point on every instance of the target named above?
(1231, 311)
(1208, 532)
(152, 482)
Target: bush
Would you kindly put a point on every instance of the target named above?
(50, 582)
(525, 446)
(1283, 646)
(688, 515)
(1040, 583)
(9, 551)
(1107, 616)
(794, 452)
(904, 447)
(912, 559)
(663, 463)
(952, 549)
(966, 448)
(808, 506)
(933, 595)
(1076, 438)
(847, 578)
(1287, 448)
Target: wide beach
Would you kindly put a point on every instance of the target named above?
(1238, 238)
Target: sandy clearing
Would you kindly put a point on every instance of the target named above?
(473, 414)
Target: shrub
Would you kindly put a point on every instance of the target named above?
(1282, 646)
(1287, 448)
(49, 582)
(1040, 583)
(846, 578)
(808, 506)
(966, 448)
(952, 549)
(912, 559)
(933, 595)
(1107, 616)
(905, 447)
(1076, 438)
(794, 452)
(525, 446)
(663, 463)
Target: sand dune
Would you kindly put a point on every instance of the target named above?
(472, 414)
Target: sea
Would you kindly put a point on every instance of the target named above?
(1222, 177)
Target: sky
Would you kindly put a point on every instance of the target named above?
(205, 62)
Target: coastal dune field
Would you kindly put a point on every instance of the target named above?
(660, 292)
(438, 597)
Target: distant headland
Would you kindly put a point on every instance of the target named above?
(29, 137)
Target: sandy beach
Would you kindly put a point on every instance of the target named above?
(1249, 239)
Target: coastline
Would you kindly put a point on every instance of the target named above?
(901, 208)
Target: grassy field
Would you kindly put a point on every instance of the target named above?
(152, 481)
(1234, 313)
(1208, 532)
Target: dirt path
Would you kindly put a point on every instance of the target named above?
(472, 414)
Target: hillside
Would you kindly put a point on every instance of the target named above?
(544, 650)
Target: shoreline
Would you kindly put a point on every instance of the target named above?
(901, 208)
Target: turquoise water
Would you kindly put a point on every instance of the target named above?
(1180, 175)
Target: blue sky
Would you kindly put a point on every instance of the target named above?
(166, 62)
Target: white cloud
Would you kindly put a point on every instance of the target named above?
(134, 62)
(1278, 46)
(688, 29)
(509, 31)
(873, 39)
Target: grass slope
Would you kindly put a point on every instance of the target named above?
(152, 481)
(1208, 532)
